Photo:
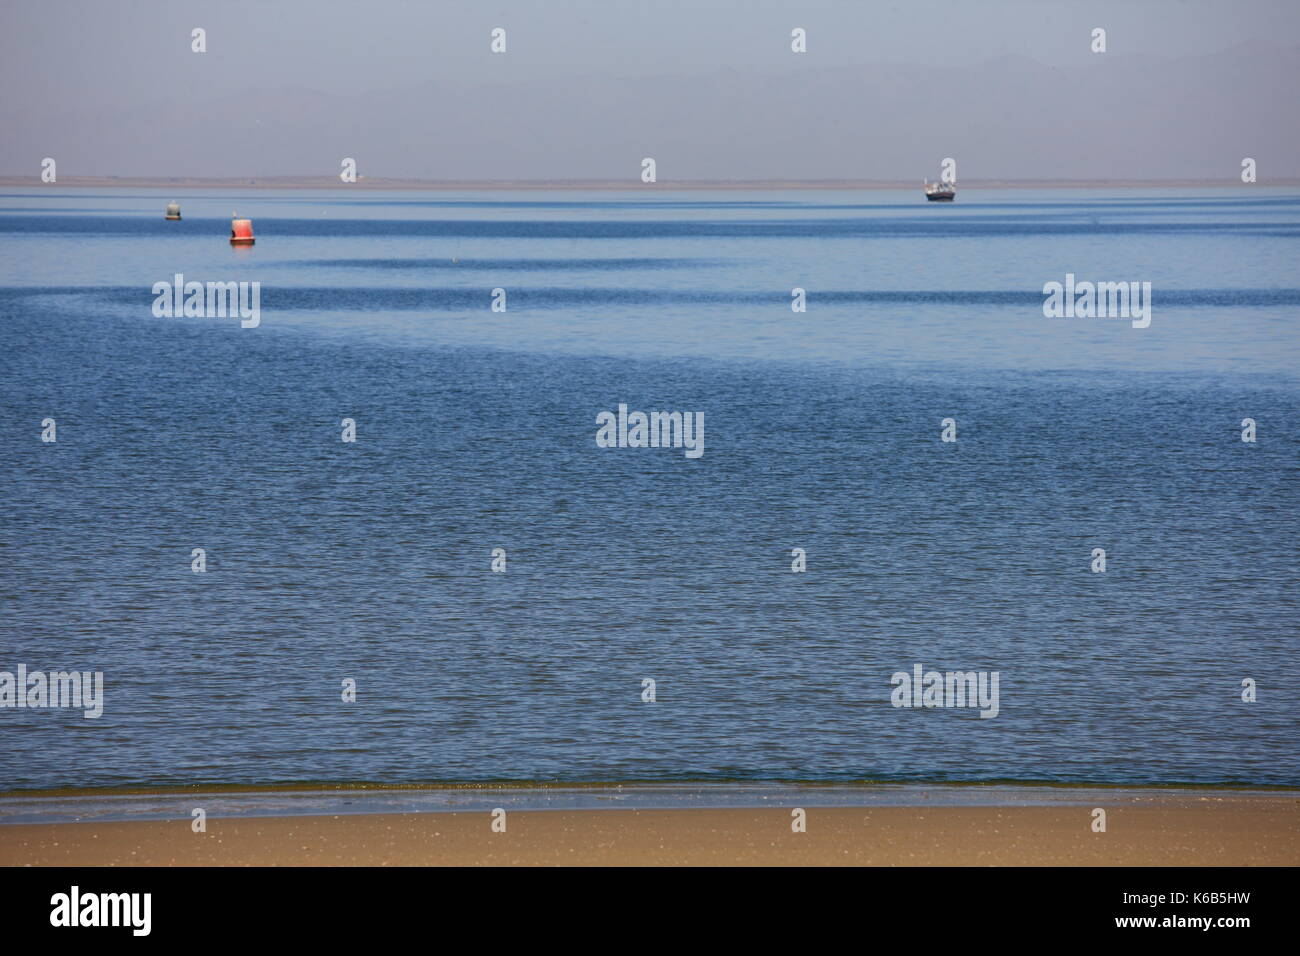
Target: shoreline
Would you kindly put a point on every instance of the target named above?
(321, 799)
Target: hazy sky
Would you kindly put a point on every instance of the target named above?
(709, 88)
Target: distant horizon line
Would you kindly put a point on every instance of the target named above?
(374, 182)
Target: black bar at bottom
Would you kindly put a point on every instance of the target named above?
(942, 905)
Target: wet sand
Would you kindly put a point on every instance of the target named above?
(1167, 831)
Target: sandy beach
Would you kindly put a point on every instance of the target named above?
(1176, 831)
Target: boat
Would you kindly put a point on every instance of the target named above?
(173, 210)
(241, 231)
(940, 191)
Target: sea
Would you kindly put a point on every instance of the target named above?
(644, 622)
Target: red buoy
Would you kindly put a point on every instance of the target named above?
(241, 232)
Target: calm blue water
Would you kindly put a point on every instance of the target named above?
(476, 430)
